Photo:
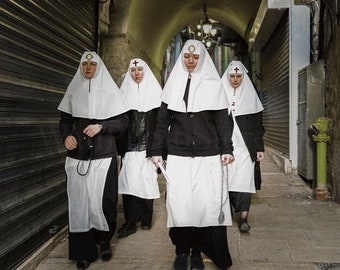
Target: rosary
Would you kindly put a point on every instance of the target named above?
(221, 216)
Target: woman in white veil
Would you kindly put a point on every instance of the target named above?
(193, 122)
(247, 137)
(92, 115)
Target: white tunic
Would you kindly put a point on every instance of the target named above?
(194, 192)
(138, 176)
(85, 194)
(241, 171)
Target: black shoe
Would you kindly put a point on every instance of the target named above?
(127, 229)
(243, 226)
(181, 262)
(146, 226)
(105, 251)
(83, 264)
(196, 263)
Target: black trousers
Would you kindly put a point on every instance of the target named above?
(83, 246)
(137, 209)
(212, 241)
(240, 201)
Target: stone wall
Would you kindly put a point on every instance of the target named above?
(118, 47)
(333, 112)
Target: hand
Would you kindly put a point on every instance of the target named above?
(227, 159)
(92, 130)
(156, 159)
(260, 156)
(71, 143)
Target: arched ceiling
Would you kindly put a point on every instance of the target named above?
(153, 23)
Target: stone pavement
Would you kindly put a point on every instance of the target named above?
(289, 230)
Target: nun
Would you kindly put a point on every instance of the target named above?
(193, 120)
(93, 113)
(137, 181)
(247, 139)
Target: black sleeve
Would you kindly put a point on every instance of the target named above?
(66, 123)
(122, 139)
(115, 125)
(259, 132)
(225, 125)
(122, 142)
(159, 144)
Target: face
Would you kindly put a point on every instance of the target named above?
(137, 74)
(190, 61)
(89, 69)
(235, 79)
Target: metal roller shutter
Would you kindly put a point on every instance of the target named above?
(41, 43)
(275, 86)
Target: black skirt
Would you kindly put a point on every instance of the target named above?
(212, 241)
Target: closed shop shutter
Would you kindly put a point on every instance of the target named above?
(275, 87)
(41, 43)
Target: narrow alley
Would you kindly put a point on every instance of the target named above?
(289, 230)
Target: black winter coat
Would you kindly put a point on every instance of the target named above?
(252, 131)
(103, 145)
(204, 133)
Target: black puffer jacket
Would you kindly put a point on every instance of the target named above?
(103, 145)
(139, 134)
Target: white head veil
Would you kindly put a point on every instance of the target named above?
(143, 96)
(246, 98)
(206, 90)
(95, 98)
